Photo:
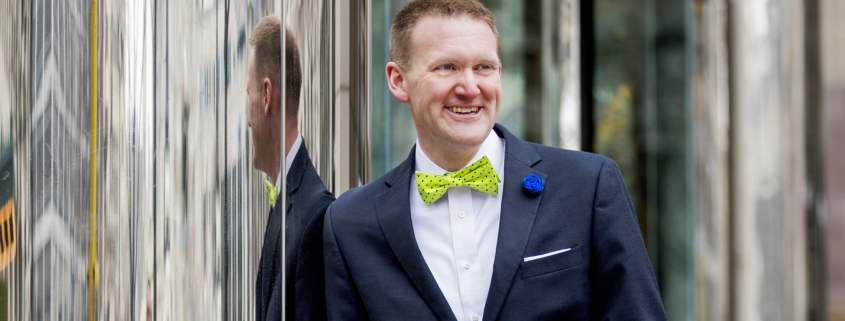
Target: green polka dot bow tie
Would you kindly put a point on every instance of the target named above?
(480, 176)
(272, 192)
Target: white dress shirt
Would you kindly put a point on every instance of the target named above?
(458, 233)
(289, 160)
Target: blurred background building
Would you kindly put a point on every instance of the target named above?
(725, 117)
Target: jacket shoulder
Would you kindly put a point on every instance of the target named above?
(312, 182)
(570, 160)
(365, 194)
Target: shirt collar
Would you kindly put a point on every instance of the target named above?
(289, 159)
(493, 147)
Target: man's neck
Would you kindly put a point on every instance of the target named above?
(291, 134)
(450, 159)
(274, 172)
(276, 165)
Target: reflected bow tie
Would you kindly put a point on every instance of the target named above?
(480, 176)
(272, 192)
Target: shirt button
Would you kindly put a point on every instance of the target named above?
(475, 317)
(461, 214)
(466, 265)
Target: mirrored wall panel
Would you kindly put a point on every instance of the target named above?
(143, 104)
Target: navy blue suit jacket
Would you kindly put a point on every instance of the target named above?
(307, 200)
(374, 268)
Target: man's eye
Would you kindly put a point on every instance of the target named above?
(446, 67)
(485, 67)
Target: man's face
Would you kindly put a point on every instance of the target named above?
(255, 113)
(454, 86)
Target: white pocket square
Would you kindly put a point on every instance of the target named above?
(537, 257)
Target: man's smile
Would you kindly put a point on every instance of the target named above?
(464, 110)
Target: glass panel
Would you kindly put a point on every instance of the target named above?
(393, 131)
(832, 131)
(641, 114)
(712, 182)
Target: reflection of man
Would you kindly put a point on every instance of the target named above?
(307, 196)
(476, 223)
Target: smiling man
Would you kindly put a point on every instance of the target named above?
(477, 224)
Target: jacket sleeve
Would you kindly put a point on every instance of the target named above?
(623, 282)
(310, 282)
(342, 299)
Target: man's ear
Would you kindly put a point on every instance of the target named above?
(267, 86)
(396, 81)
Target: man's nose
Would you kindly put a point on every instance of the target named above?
(467, 86)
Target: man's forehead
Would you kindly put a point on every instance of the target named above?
(436, 23)
(438, 33)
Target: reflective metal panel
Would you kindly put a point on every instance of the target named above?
(311, 23)
(14, 101)
(569, 91)
(209, 206)
(244, 216)
(333, 40)
(59, 158)
(711, 129)
(180, 210)
(767, 125)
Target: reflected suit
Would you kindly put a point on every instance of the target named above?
(375, 270)
(307, 200)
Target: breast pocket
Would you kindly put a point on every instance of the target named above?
(534, 266)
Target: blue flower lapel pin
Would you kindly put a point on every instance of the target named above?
(533, 184)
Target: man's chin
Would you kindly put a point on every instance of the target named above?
(469, 141)
(254, 161)
(472, 134)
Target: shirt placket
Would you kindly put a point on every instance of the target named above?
(464, 244)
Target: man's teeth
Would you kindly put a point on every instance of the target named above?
(461, 110)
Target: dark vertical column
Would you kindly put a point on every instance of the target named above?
(359, 109)
(667, 159)
(732, 155)
(816, 260)
(532, 55)
(587, 69)
(223, 180)
(136, 310)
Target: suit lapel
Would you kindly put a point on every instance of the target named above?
(394, 215)
(297, 169)
(296, 220)
(517, 219)
(268, 257)
(274, 222)
(274, 229)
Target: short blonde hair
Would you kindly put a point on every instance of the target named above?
(407, 18)
(266, 40)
